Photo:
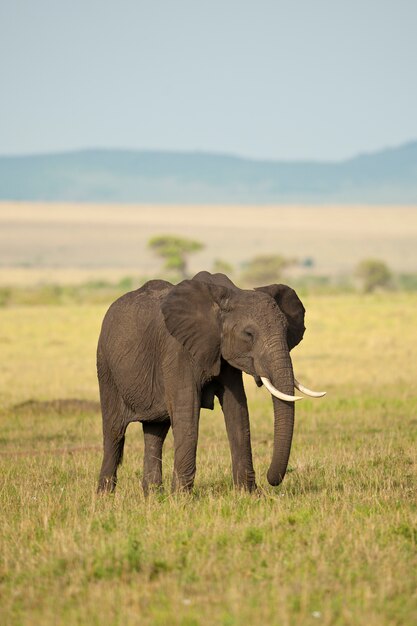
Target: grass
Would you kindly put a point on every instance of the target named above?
(42, 239)
(335, 544)
(100, 291)
(90, 292)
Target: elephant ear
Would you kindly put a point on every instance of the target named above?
(192, 312)
(293, 309)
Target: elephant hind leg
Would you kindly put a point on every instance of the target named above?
(112, 457)
(154, 435)
(116, 417)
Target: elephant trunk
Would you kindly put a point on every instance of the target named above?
(283, 418)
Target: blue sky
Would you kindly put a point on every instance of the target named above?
(314, 79)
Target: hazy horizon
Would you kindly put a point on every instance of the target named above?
(205, 152)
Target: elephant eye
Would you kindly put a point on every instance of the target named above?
(249, 333)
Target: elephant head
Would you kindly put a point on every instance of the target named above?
(253, 331)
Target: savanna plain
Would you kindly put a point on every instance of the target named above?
(334, 544)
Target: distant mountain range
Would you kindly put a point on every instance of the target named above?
(385, 177)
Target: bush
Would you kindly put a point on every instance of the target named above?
(222, 267)
(373, 274)
(265, 269)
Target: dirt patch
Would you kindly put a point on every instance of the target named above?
(58, 406)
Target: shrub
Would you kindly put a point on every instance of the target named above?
(373, 274)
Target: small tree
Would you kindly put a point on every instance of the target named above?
(373, 274)
(175, 251)
(265, 269)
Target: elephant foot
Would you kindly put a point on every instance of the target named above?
(106, 485)
(244, 486)
(244, 479)
(150, 489)
(182, 485)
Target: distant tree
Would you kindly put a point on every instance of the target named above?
(222, 266)
(373, 274)
(174, 250)
(265, 269)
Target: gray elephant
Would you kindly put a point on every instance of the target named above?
(165, 351)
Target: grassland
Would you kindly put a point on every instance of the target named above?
(335, 544)
(55, 242)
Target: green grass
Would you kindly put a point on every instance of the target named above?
(103, 291)
(335, 544)
(89, 292)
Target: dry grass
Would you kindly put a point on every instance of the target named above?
(87, 238)
(336, 544)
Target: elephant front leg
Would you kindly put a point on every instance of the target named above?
(235, 408)
(185, 431)
(154, 434)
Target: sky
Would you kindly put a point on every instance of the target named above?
(267, 79)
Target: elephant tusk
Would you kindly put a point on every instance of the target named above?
(308, 392)
(277, 393)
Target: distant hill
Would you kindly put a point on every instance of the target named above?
(385, 177)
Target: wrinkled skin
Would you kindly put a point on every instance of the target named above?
(166, 351)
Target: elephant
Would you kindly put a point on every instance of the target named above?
(165, 351)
